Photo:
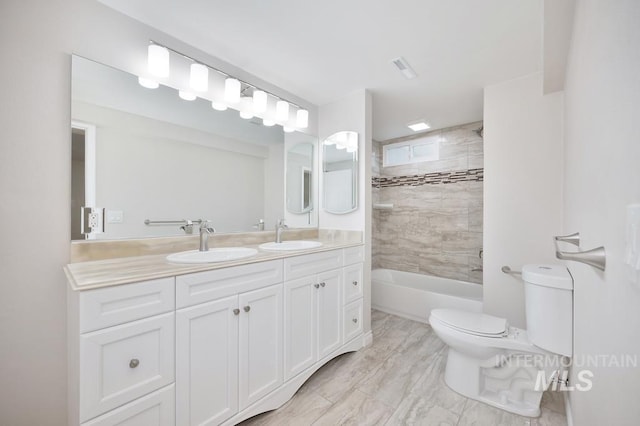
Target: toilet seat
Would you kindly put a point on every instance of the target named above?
(472, 323)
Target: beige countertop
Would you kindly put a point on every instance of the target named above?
(111, 272)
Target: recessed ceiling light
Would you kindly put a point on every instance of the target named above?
(417, 126)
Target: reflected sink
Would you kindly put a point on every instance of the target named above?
(290, 245)
(222, 254)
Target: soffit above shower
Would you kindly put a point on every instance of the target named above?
(322, 51)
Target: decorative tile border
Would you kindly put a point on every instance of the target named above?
(470, 175)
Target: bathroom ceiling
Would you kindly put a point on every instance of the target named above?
(324, 50)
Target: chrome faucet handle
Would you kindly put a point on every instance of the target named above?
(204, 227)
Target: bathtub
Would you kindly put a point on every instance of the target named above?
(413, 296)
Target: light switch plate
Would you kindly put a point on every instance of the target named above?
(115, 216)
(632, 250)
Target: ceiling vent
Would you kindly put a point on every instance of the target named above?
(404, 67)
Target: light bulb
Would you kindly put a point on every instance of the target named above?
(259, 101)
(158, 60)
(302, 118)
(148, 83)
(199, 78)
(282, 110)
(268, 123)
(232, 90)
(246, 108)
(218, 106)
(187, 96)
(288, 129)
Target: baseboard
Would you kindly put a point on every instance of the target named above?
(368, 338)
(567, 409)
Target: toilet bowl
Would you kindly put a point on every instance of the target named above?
(504, 366)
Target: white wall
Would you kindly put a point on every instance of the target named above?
(602, 176)
(36, 40)
(522, 187)
(353, 112)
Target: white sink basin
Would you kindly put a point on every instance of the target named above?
(222, 254)
(290, 245)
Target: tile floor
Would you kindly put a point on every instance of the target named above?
(398, 380)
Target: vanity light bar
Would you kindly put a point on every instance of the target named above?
(159, 66)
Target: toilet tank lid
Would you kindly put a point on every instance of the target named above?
(472, 322)
(553, 276)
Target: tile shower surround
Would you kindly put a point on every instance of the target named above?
(435, 226)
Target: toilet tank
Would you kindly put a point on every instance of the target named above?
(548, 292)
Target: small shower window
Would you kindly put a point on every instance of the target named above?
(413, 151)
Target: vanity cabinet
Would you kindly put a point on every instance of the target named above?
(315, 311)
(213, 347)
(228, 351)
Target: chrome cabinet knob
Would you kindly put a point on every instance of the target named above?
(236, 311)
(134, 363)
(322, 284)
(355, 320)
(316, 285)
(355, 283)
(247, 308)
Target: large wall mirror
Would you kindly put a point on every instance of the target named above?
(153, 160)
(340, 172)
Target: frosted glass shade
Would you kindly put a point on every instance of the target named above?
(158, 61)
(302, 118)
(232, 90)
(282, 110)
(259, 101)
(199, 78)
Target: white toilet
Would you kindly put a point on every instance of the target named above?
(501, 365)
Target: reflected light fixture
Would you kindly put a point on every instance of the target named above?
(232, 90)
(218, 106)
(187, 96)
(158, 60)
(419, 125)
(148, 83)
(246, 108)
(288, 129)
(282, 110)
(268, 123)
(302, 118)
(199, 78)
(259, 101)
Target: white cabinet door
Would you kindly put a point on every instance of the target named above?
(329, 312)
(207, 362)
(122, 363)
(300, 325)
(261, 343)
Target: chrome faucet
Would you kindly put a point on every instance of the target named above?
(280, 226)
(205, 230)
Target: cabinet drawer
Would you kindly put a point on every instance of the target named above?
(206, 286)
(352, 281)
(353, 255)
(352, 320)
(105, 307)
(155, 409)
(122, 363)
(310, 264)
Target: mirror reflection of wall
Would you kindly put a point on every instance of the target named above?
(162, 158)
(299, 178)
(340, 172)
(301, 181)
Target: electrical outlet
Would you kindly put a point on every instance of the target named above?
(92, 220)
